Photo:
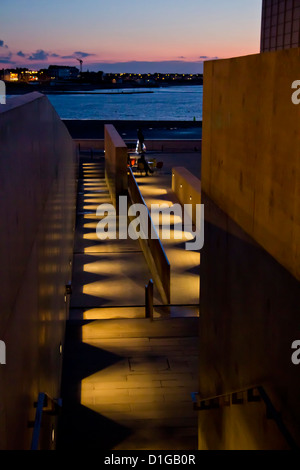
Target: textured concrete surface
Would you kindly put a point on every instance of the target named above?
(249, 319)
(132, 384)
(127, 380)
(37, 209)
(185, 264)
(250, 261)
(251, 148)
(106, 273)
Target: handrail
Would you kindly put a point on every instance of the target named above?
(42, 406)
(216, 401)
(149, 300)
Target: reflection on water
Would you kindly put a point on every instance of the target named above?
(182, 103)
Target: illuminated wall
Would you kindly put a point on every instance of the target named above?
(251, 148)
(250, 289)
(37, 210)
(115, 163)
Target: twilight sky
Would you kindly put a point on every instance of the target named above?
(127, 35)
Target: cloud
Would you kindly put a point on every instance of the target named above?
(39, 55)
(181, 57)
(83, 54)
(3, 45)
(77, 55)
(6, 59)
(21, 54)
(206, 57)
(54, 55)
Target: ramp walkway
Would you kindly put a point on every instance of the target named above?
(127, 380)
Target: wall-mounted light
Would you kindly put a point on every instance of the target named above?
(69, 288)
(53, 434)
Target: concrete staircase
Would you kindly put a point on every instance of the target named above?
(127, 380)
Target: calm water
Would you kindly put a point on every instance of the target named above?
(181, 103)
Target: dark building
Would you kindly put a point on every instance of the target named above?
(280, 25)
(63, 72)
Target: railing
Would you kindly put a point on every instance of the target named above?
(44, 406)
(256, 393)
(149, 300)
(151, 245)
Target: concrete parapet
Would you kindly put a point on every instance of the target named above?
(37, 209)
(115, 164)
(153, 250)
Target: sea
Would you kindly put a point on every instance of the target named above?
(174, 103)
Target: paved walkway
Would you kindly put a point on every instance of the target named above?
(185, 265)
(127, 380)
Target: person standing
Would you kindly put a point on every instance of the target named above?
(141, 140)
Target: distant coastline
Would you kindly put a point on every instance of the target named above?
(65, 92)
(85, 88)
(166, 103)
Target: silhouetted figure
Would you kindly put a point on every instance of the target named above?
(141, 140)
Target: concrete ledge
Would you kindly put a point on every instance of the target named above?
(115, 163)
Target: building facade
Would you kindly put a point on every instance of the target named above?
(280, 25)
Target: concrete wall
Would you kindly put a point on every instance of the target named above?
(251, 148)
(37, 202)
(187, 188)
(115, 163)
(250, 286)
(249, 317)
